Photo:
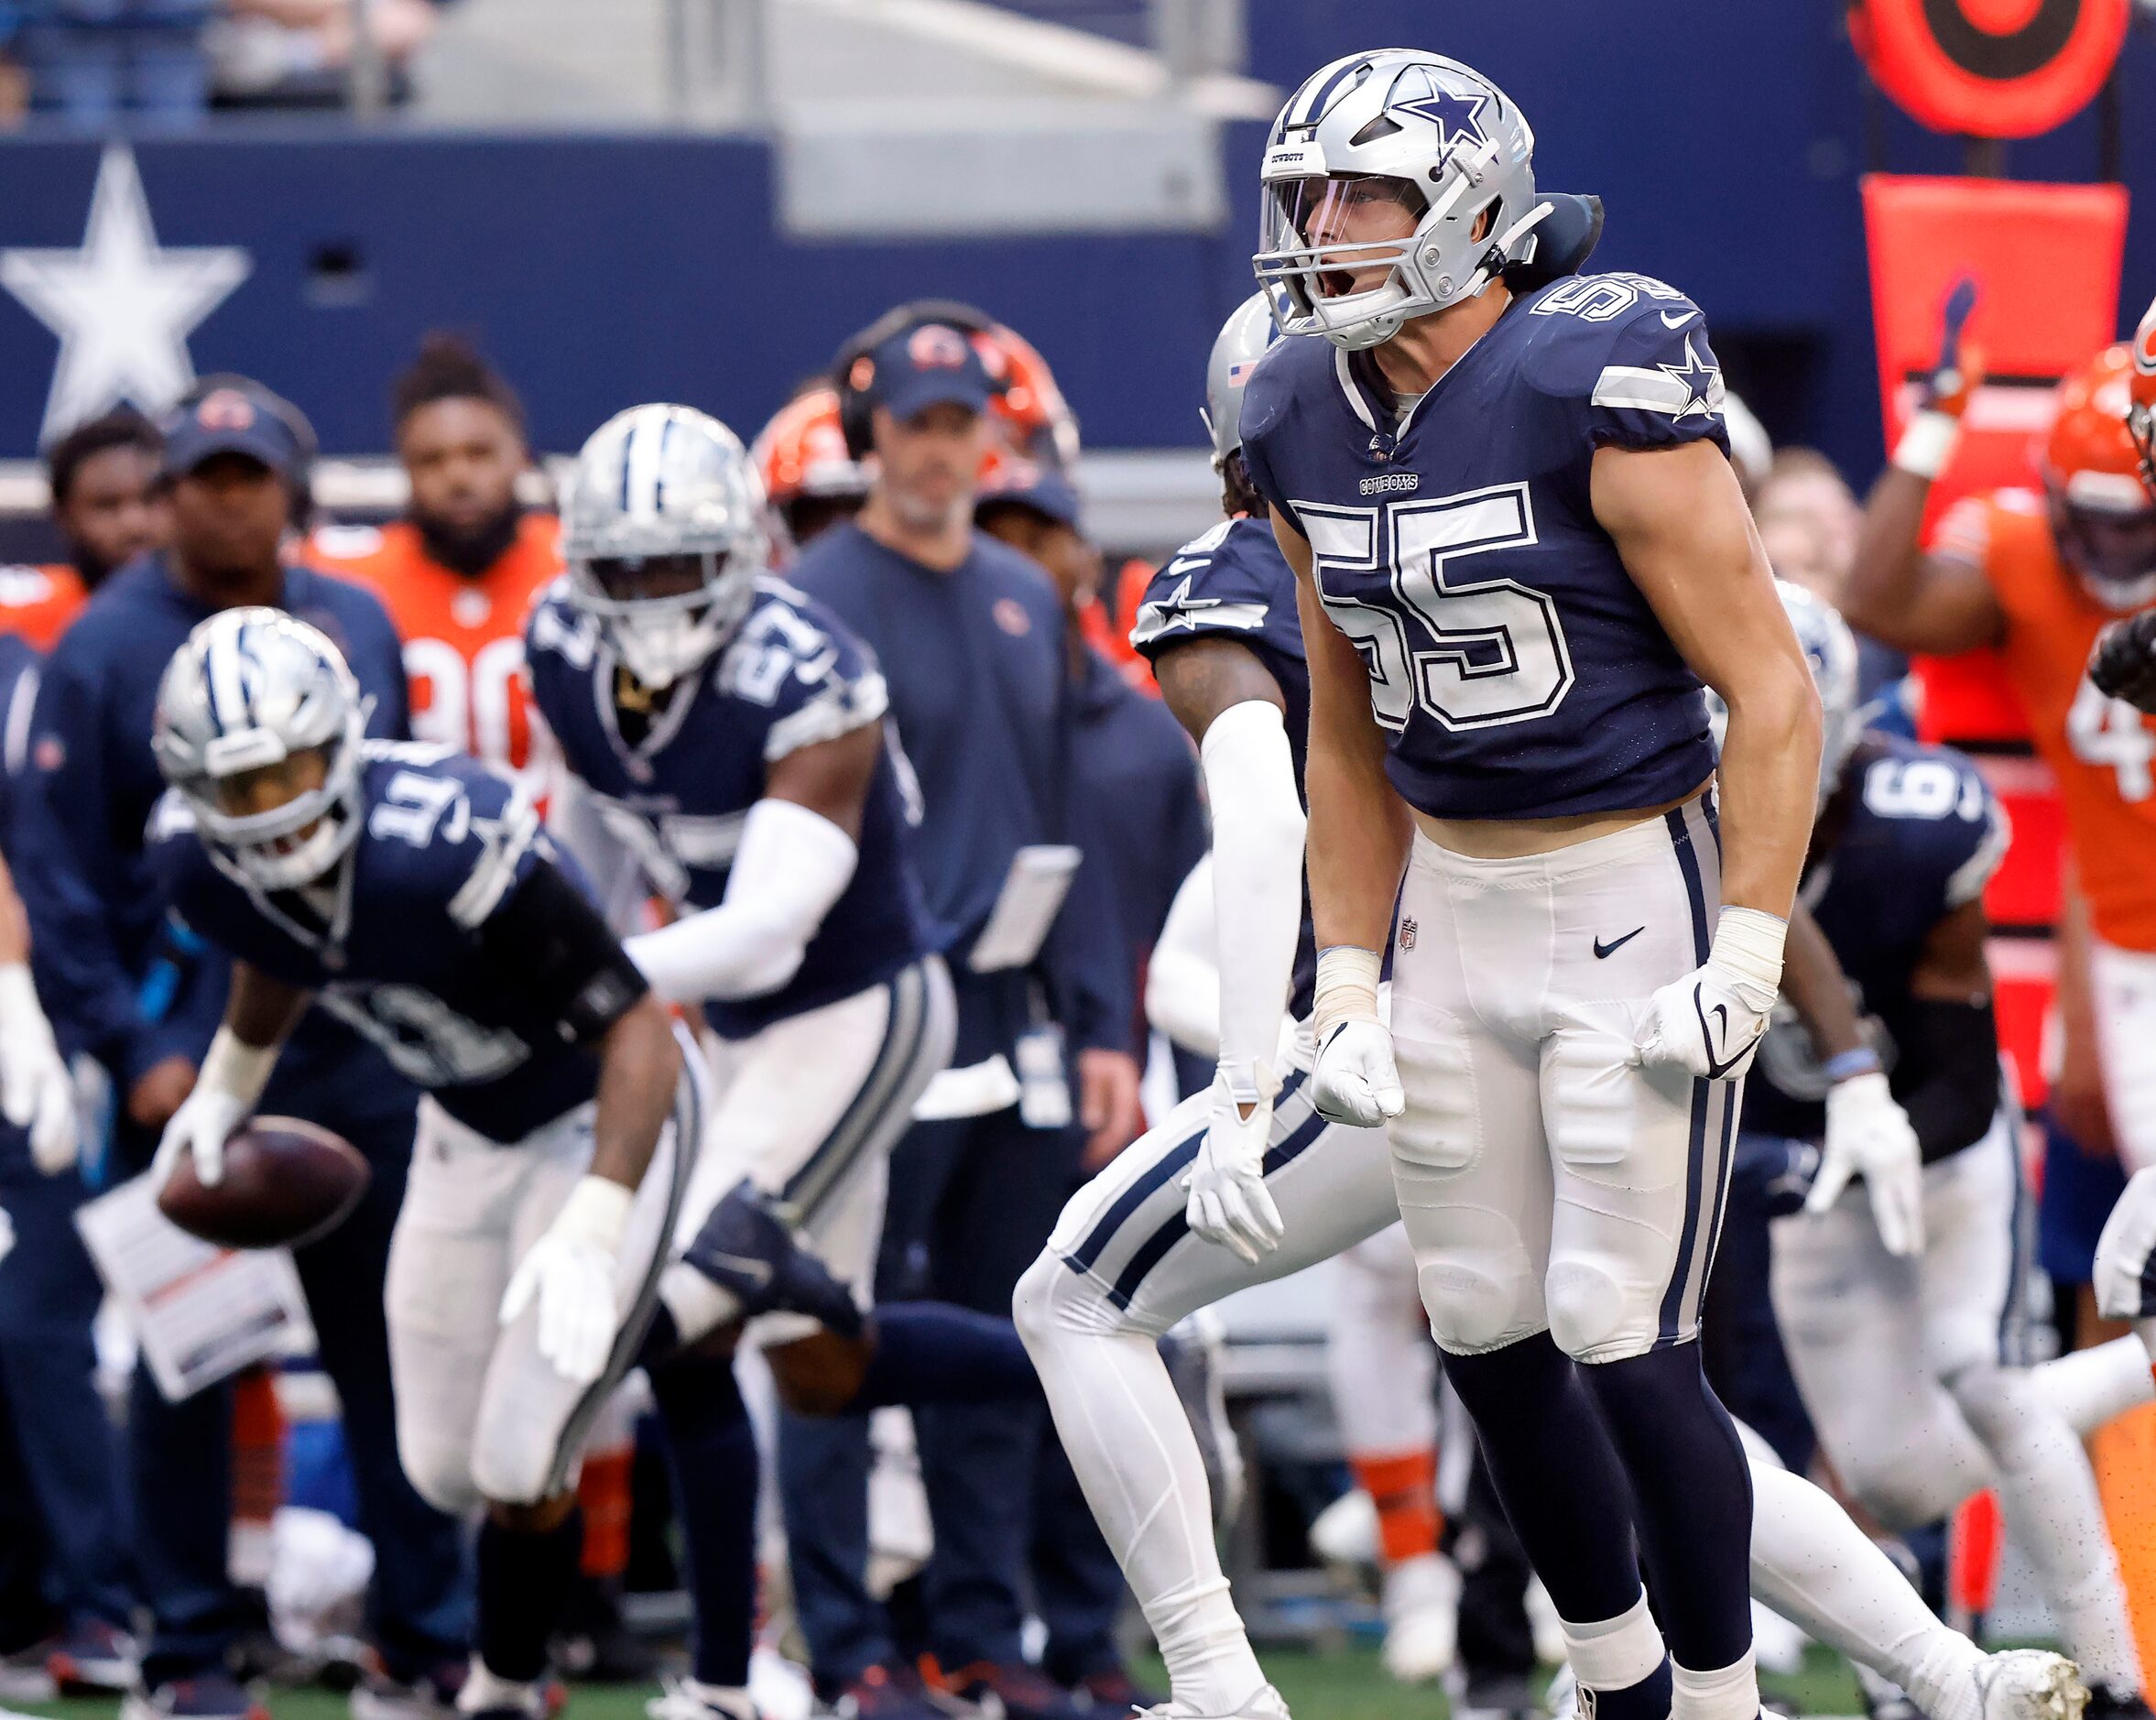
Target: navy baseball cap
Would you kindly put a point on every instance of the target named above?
(235, 417)
(931, 364)
(1025, 484)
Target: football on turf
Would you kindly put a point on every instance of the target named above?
(286, 1182)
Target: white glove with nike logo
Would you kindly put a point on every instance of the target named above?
(1355, 1080)
(1709, 1023)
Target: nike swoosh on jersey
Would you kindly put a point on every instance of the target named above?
(1682, 318)
(1603, 950)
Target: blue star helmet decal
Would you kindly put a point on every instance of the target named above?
(1458, 118)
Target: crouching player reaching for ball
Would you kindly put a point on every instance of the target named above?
(412, 893)
(1519, 549)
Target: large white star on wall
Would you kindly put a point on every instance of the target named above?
(122, 306)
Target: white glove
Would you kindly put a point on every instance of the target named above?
(1710, 1021)
(570, 1272)
(1229, 1204)
(1867, 1131)
(1355, 1080)
(36, 1091)
(205, 1122)
(230, 1081)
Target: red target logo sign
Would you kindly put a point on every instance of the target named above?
(1990, 67)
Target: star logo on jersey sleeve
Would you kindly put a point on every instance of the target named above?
(1458, 118)
(1702, 384)
(1179, 609)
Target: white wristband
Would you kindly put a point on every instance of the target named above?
(1748, 946)
(597, 1212)
(232, 1066)
(1927, 444)
(1346, 988)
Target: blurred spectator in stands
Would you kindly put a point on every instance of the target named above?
(298, 53)
(92, 62)
(107, 508)
(459, 569)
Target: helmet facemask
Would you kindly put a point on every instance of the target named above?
(2140, 424)
(2105, 525)
(665, 614)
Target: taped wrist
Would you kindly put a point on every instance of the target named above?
(596, 1212)
(1747, 950)
(1247, 1084)
(1346, 988)
(1927, 444)
(232, 1066)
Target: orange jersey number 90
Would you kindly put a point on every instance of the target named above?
(474, 704)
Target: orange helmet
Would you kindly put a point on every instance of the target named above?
(2141, 416)
(802, 452)
(2101, 513)
(1035, 419)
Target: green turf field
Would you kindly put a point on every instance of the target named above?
(1347, 1684)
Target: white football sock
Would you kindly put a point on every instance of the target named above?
(1131, 1446)
(2047, 1493)
(2095, 1386)
(1727, 1692)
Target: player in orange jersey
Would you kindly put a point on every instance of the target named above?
(106, 502)
(459, 569)
(2039, 573)
(2124, 662)
(810, 475)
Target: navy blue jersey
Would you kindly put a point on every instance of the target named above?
(95, 780)
(1921, 835)
(793, 676)
(1139, 774)
(1233, 583)
(1515, 667)
(392, 946)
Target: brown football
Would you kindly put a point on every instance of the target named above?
(286, 1182)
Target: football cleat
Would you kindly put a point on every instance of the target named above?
(1265, 1702)
(1422, 1619)
(212, 1696)
(2032, 1684)
(749, 1251)
(689, 1699)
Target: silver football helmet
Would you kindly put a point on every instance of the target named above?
(1236, 349)
(1395, 182)
(259, 723)
(1830, 651)
(663, 526)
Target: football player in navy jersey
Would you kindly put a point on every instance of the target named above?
(412, 893)
(726, 751)
(1214, 1200)
(1909, 1367)
(1520, 548)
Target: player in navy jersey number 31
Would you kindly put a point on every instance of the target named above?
(1519, 549)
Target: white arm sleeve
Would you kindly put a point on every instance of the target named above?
(1258, 828)
(573, 820)
(792, 864)
(1182, 976)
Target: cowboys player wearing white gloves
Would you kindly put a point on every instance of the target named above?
(1520, 547)
(1210, 1202)
(411, 893)
(1909, 1367)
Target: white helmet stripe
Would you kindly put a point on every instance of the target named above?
(1310, 106)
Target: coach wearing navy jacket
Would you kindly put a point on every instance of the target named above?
(121, 981)
(969, 636)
